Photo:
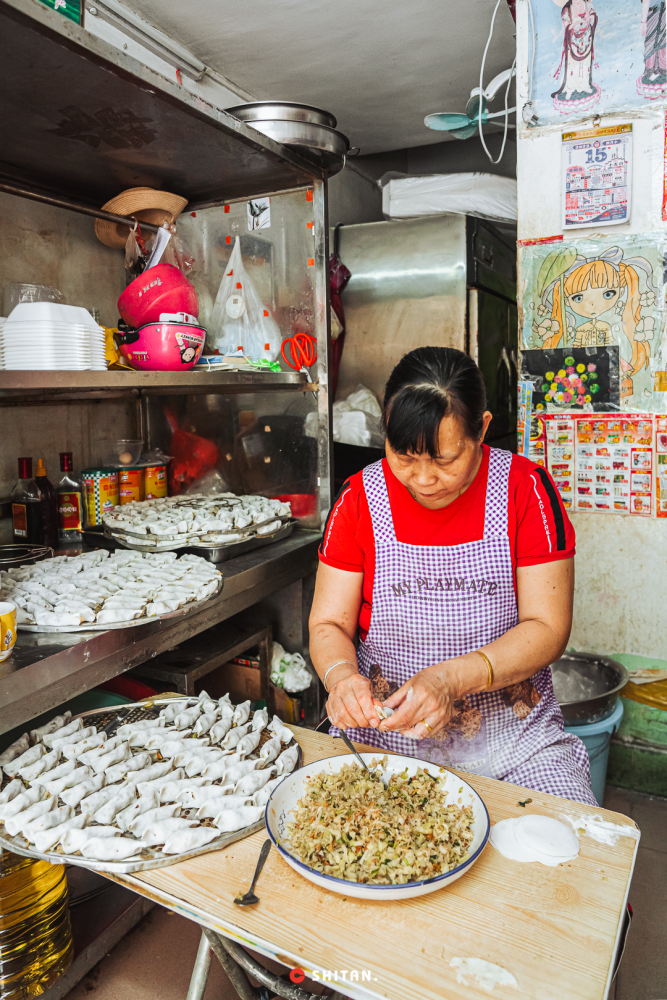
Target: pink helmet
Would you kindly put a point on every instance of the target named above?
(163, 347)
(162, 289)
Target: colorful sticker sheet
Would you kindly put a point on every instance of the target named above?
(593, 57)
(599, 293)
(576, 379)
(596, 176)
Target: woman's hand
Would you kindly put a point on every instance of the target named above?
(351, 703)
(428, 697)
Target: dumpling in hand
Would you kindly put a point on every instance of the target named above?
(189, 840)
(241, 713)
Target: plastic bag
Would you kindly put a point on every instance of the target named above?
(486, 196)
(194, 456)
(179, 254)
(238, 321)
(289, 670)
(358, 420)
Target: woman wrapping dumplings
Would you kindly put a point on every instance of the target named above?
(455, 562)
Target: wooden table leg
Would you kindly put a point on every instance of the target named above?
(200, 970)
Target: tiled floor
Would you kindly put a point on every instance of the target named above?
(155, 960)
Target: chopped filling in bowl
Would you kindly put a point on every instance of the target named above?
(354, 826)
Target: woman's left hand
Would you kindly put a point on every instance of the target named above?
(428, 697)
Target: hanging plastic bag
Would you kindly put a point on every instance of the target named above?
(239, 323)
(289, 670)
(135, 251)
(179, 254)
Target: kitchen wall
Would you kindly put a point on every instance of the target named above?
(451, 157)
(620, 602)
(353, 198)
(51, 246)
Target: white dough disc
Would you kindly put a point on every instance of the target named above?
(547, 836)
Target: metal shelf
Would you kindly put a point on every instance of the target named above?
(82, 119)
(48, 668)
(41, 385)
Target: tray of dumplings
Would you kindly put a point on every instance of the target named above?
(195, 521)
(98, 590)
(142, 786)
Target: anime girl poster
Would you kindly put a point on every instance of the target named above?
(597, 56)
(602, 292)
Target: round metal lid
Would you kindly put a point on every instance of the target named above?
(285, 111)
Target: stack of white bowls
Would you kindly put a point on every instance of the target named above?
(47, 336)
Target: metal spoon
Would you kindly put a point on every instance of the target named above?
(250, 898)
(348, 743)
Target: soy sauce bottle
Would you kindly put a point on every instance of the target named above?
(48, 504)
(26, 511)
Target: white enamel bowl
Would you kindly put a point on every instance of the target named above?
(281, 807)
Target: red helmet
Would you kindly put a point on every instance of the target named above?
(162, 289)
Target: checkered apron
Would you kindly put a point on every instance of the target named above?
(433, 603)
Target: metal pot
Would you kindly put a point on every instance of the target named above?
(587, 686)
(22, 554)
(325, 146)
(284, 111)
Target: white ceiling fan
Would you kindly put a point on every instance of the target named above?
(463, 126)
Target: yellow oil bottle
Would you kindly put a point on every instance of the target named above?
(35, 931)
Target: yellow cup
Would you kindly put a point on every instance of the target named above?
(7, 629)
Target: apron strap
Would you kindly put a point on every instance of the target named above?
(497, 492)
(375, 487)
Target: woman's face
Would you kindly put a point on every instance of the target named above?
(436, 482)
(592, 302)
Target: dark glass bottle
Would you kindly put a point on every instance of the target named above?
(48, 503)
(26, 513)
(70, 501)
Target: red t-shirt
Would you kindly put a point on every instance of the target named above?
(538, 527)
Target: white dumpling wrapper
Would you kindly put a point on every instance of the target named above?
(62, 741)
(150, 773)
(230, 820)
(220, 729)
(144, 820)
(111, 848)
(287, 761)
(31, 756)
(74, 795)
(260, 719)
(136, 808)
(74, 750)
(271, 749)
(19, 803)
(241, 713)
(45, 763)
(127, 767)
(120, 801)
(48, 839)
(51, 818)
(210, 809)
(121, 752)
(15, 824)
(158, 833)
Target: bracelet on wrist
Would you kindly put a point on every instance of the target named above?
(338, 663)
(489, 667)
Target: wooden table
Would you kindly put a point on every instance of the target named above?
(555, 930)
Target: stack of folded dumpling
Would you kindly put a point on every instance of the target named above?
(195, 520)
(103, 588)
(170, 784)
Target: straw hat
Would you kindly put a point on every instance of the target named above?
(146, 204)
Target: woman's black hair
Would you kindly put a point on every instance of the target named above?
(426, 385)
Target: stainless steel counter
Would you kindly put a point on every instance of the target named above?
(46, 669)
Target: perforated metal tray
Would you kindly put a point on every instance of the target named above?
(150, 857)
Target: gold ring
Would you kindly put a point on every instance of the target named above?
(425, 723)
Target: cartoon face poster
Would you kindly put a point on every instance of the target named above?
(596, 56)
(600, 292)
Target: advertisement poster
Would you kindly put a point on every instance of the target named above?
(602, 292)
(614, 464)
(597, 56)
(596, 176)
(524, 407)
(661, 487)
(538, 441)
(561, 456)
(579, 379)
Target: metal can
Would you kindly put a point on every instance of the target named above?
(155, 481)
(102, 493)
(131, 483)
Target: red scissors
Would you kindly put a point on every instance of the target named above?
(302, 351)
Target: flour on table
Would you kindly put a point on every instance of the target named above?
(487, 975)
